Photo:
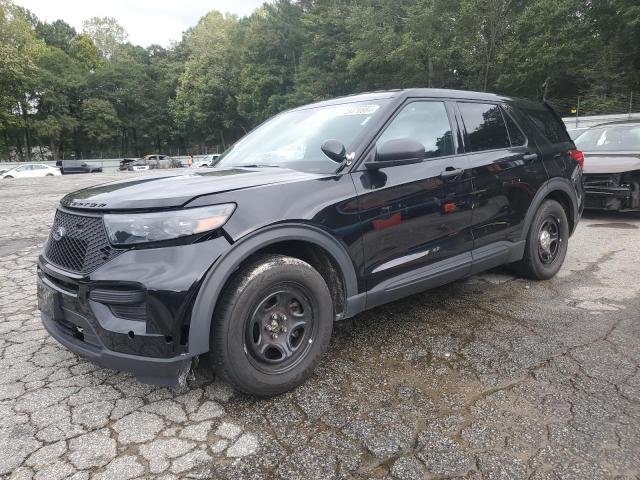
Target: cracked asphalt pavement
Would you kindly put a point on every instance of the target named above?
(491, 377)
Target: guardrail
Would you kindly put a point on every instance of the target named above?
(107, 164)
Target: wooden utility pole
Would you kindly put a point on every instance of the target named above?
(546, 87)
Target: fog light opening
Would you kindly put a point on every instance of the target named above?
(168, 339)
(131, 334)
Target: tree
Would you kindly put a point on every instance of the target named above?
(106, 33)
(19, 50)
(323, 67)
(100, 123)
(549, 50)
(270, 51)
(205, 103)
(94, 93)
(61, 81)
(56, 34)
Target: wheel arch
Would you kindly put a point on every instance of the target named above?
(560, 190)
(282, 239)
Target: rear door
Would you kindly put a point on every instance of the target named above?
(417, 215)
(506, 168)
(552, 139)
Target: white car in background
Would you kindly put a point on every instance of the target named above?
(29, 170)
(206, 161)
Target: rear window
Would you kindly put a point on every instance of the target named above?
(548, 124)
(485, 126)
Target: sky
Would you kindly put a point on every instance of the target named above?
(146, 21)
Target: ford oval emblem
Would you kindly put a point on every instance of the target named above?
(59, 233)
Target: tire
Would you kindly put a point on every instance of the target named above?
(49, 175)
(8, 176)
(271, 326)
(542, 260)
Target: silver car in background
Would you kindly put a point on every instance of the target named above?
(612, 165)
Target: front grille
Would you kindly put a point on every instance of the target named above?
(83, 245)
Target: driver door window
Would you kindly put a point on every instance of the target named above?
(426, 122)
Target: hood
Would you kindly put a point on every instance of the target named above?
(176, 190)
(611, 162)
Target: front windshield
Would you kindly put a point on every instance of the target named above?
(293, 139)
(610, 139)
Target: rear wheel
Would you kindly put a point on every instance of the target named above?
(49, 175)
(546, 244)
(8, 176)
(273, 323)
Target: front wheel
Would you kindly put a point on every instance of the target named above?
(546, 244)
(272, 325)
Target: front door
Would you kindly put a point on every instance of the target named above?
(415, 216)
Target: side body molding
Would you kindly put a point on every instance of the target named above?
(219, 274)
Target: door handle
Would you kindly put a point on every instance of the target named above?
(530, 156)
(451, 172)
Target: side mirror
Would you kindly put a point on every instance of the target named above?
(400, 151)
(334, 149)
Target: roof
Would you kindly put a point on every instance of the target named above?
(407, 93)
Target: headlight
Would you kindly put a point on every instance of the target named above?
(134, 228)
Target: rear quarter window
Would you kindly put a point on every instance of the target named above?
(515, 134)
(547, 124)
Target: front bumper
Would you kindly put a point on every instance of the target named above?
(133, 313)
(612, 191)
(166, 372)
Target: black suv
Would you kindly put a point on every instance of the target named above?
(318, 214)
(76, 166)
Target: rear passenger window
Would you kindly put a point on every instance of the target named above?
(425, 122)
(485, 126)
(547, 123)
(515, 134)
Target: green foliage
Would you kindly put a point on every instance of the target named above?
(106, 33)
(92, 93)
(100, 121)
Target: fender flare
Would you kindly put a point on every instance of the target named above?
(217, 277)
(552, 185)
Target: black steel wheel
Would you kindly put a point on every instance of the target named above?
(546, 243)
(280, 330)
(549, 240)
(272, 324)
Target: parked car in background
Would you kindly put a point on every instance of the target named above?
(138, 165)
(206, 160)
(30, 170)
(125, 162)
(612, 165)
(320, 213)
(77, 166)
(157, 161)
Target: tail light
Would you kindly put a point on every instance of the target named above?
(578, 156)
